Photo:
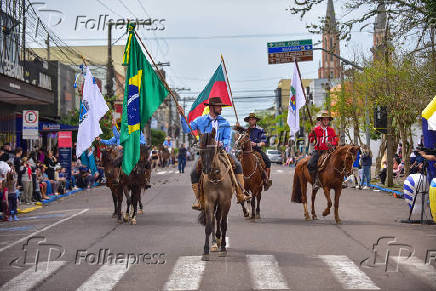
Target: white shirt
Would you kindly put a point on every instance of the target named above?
(216, 126)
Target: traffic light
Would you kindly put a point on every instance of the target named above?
(380, 119)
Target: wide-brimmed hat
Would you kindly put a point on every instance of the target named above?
(323, 114)
(168, 138)
(251, 115)
(215, 101)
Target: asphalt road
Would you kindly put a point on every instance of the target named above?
(279, 251)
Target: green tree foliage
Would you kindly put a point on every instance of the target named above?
(157, 137)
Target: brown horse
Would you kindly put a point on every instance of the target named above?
(137, 180)
(252, 169)
(164, 156)
(112, 159)
(216, 184)
(338, 165)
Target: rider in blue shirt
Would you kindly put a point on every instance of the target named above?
(205, 124)
(258, 139)
(115, 139)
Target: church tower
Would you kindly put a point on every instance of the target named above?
(330, 66)
(379, 30)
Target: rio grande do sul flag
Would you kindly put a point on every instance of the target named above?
(216, 87)
(296, 101)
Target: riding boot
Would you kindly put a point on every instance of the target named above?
(241, 194)
(315, 181)
(268, 180)
(197, 205)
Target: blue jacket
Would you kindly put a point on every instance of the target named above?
(168, 144)
(204, 125)
(356, 161)
(258, 135)
(115, 140)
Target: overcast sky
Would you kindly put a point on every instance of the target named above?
(198, 31)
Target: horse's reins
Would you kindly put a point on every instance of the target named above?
(247, 152)
(344, 171)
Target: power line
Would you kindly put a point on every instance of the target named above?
(108, 8)
(127, 8)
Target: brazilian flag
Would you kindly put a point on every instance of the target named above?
(143, 94)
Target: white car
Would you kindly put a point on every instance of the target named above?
(275, 156)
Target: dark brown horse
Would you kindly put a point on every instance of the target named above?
(216, 184)
(137, 180)
(338, 165)
(112, 159)
(164, 156)
(252, 169)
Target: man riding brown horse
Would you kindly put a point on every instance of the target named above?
(324, 139)
(258, 140)
(205, 124)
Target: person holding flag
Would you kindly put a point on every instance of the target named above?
(205, 124)
(115, 139)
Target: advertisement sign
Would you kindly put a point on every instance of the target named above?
(65, 143)
(30, 124)
(65, 139)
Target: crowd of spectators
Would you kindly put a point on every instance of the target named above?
(37, 175)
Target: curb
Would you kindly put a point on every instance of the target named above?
(395, 193)
(52, 199)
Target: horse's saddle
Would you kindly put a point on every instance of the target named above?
(260, 159)
(322, 161)
(200, 165)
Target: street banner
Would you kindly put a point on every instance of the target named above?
(30, 124)
(65, 139)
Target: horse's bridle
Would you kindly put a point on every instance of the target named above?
(344, 171)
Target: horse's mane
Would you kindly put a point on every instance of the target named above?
(239, 129)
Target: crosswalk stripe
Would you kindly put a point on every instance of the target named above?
(420, 269)
(105, 278)
(30, 278)
(348, 273)
(265, 272)
(161, 173)
(279, 171)
(187, 274)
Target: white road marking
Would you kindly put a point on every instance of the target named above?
(161, 173)
(348, 273)
(420, 269)
(187, 274)
(41, 230)
(265, 272)
(279, 171)
(30, 278)
(105, 278)
(227, 242)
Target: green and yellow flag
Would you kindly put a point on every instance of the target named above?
(143, 94)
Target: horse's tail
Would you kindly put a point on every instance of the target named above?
(202, 217)
(296, 188)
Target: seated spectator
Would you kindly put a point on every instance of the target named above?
(41, 183)
(46, 180)
(75, 174)
(61, 179)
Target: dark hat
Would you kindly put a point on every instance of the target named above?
(324, 114)
(251, 115)
(215, 101)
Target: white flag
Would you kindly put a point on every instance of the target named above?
(296, 101)
(92, 109)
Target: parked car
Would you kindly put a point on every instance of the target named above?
(275, 156)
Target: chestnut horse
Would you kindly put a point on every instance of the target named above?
(338, 165)
(164, 156)
(217, 187)
(252, 169)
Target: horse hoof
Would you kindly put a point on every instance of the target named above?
(140, 211)
(257, 216)
(246, 214)
(314, 217)
(307, 218)
(214, 247)
(125, 218)
(205, 257)
(252, 219)
(133, 221)
(222, 253)
(338, 221)
(326, 212)
(114, 215)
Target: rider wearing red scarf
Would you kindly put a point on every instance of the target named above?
(323, 137)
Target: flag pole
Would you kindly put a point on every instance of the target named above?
(304, 93)
(161, 77)
(230, 89)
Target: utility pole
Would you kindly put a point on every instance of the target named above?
(24, 32)
(47, 42)
(389, 131)
(109, 66)
(184, 110)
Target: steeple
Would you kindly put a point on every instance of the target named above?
(330, 66)
(330, 18)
